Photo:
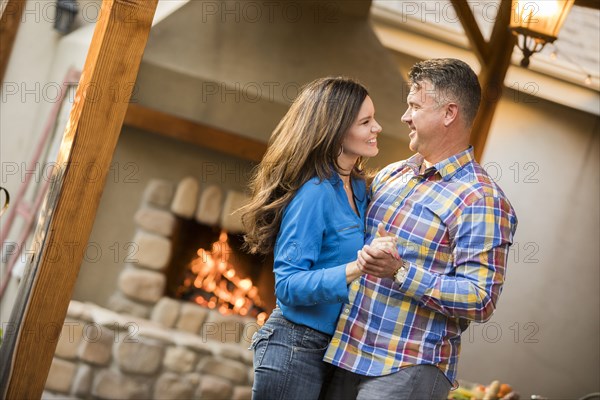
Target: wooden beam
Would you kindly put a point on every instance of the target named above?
(169, 125)
(90, 138)
(492, 77)
(471, 28)
(595, 4)
(9, 25)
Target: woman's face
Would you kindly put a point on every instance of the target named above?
(361, 138)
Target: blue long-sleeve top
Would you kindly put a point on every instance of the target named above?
(319, 235)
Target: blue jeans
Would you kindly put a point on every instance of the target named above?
(288, 360)
(418, 382)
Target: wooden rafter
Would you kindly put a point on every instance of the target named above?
(154, 121)
(465, 15)
(90, 138)
(595, 4)
(9, 25)
(494, 57)
(492, 77)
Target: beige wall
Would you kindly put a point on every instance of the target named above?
(543, 338)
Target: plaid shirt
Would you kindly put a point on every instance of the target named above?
(454, 227)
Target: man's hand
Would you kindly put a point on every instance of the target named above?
(381, 258)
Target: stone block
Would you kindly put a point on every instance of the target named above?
(110, 384)
(171, 386)
(242, 393)
(194, 378)
(231, 351)
(96, 344)
(179, 359)
(137, 284)
(186, 198)
(56, 396)
(122, 305)
(223, 328)
(210, 206)
(82, 383)
(153, 251)
(75, 309)
(165, 312)
(142, 358)
(191, 317)
(234, 371)
(231, 220)
(60, 376)
(193, 342)
(154, 220)
(69, 339)
(159, 193)
(213, 387)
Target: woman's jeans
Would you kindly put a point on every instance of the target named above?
(288, 360)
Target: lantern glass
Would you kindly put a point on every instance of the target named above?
(540, 19)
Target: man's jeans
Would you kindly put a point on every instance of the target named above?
(288, 360)
(419, 382)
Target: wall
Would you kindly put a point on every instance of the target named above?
(543, 338)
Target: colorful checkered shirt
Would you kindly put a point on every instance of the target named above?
(454, 227)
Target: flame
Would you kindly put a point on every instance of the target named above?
(213, 274)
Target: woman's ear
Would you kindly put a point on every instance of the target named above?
(451, 114)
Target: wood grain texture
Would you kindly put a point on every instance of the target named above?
(594, 4)
(502, 43)
(168, 125)
(9, 25)
(494, 57)
(471, 28)
(92, 131)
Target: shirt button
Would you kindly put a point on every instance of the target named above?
(347, 311)
(355, 285)
(397, 203)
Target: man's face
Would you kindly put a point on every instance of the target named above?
(425, 118)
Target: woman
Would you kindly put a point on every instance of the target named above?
(308, 206)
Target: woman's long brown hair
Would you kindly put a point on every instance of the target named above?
(305, 143)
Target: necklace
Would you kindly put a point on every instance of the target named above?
(346, 185)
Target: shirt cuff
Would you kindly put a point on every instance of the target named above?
(417, 282)
(335, 280)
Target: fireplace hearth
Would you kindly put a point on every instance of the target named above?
(187, 303)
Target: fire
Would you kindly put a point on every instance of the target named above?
(215, 284)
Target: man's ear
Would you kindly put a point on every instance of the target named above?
(451, 114)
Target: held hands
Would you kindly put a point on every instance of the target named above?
(381, 257)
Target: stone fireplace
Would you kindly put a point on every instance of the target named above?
(185, 306)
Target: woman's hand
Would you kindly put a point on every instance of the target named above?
(381, 257)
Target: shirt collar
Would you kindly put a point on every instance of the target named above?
(446, 168)
(358, 189)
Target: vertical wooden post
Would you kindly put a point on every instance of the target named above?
(9, 25)
(492, 77)
(89, 141)
(494, 57)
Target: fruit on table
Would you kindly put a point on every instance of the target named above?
(494, 391)
(504, 390)
(491, 393)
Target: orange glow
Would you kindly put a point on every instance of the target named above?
(215, 275)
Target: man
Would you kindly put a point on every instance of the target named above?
(399, 336)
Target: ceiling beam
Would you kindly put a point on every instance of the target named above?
(471, 28)
(169, 125)
(69, 210)
(595, 4)
(9, 25)
(492, 77)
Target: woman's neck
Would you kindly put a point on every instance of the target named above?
(346, 164)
